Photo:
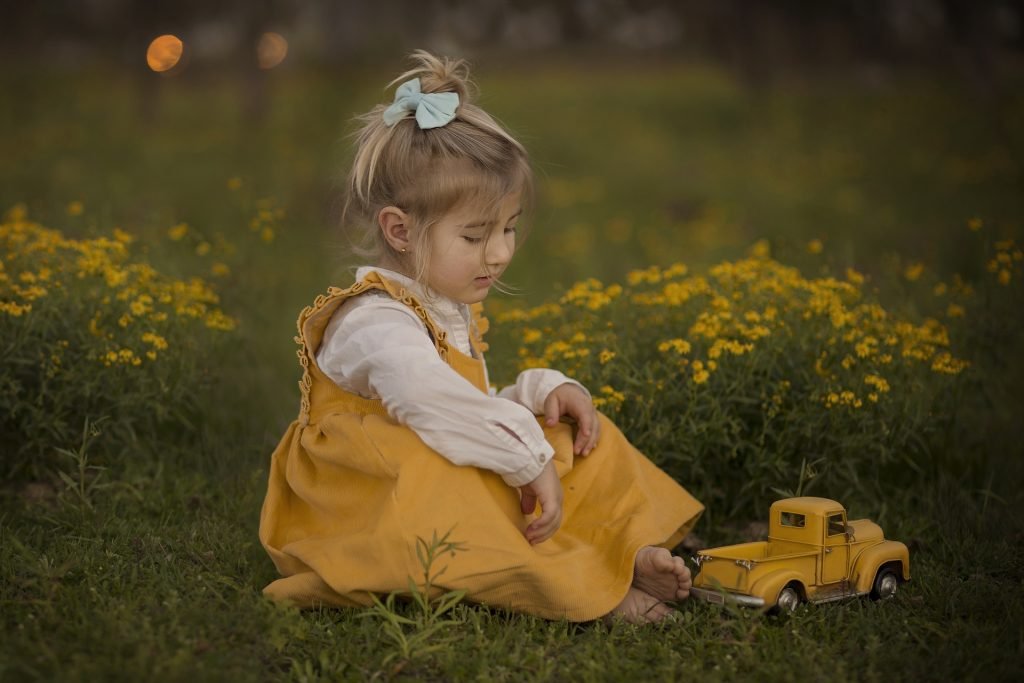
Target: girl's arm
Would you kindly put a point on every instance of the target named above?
(383, 351)
(533, 387)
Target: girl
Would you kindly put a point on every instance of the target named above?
(398, 436)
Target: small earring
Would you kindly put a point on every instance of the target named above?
(403, 250)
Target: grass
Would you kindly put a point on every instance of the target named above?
(150, 569)
(162, 583)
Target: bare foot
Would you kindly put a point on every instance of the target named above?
(640, 608)
(661, 574)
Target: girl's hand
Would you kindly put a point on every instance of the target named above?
(569, 399)
(546, 489)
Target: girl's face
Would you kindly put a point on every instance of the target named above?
(468, 253)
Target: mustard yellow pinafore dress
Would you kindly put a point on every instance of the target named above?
(350, 490)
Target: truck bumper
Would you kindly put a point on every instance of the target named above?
(719, 598)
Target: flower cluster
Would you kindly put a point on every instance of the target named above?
(125, 301)
(700, 325)
(735, 374)
(92, 330)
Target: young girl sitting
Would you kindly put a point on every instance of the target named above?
(399, 436)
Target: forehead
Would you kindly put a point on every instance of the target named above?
(480, 211)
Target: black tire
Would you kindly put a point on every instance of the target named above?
(886, 583)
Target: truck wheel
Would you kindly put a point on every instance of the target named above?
(788, 600)
(886, 583)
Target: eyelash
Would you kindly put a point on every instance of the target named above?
(476, 240)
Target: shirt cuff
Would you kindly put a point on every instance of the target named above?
(532, 469)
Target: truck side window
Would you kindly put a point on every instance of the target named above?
(793, 519)
(836, 525)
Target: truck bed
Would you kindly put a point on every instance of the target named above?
(760, 551)
(738, 567)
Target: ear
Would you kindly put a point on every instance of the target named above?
(394, 223)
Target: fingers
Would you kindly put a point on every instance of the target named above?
(546, 489)
(545, 526)
(588, 433)
(528, 502)
(552, 410)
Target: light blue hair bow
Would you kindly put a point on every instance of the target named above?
(433, 109)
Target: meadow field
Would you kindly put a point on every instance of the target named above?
(811, 287)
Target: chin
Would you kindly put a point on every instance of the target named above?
(475, 298)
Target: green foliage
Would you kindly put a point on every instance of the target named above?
(91, 331)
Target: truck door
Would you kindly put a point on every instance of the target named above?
(835, 558)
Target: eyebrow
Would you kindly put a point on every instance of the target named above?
(481, 223)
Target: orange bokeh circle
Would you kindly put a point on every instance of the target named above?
(164, 52)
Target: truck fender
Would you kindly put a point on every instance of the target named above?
(769, 585)
(866, 565)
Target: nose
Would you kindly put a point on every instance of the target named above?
(499, 251)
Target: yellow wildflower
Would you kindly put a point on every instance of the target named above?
(700, 375)
(218, 321)
(815, 246)
(75, 208)
(1004, 277)
(155, 340)
(945, 363)
(15, 309)
(913, 271)
(879, 383)
(178, 232)
(531, 335)
(955, 311)
(605, 356)
(651, 275)
(760, 250)
(203, 248)
(675, 270)
(974, 224)
(680, 346)
(234, 183)
(219, 269)
(122, 236)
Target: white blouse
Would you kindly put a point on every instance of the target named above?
(377, 347)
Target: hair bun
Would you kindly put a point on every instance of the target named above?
(439, 74)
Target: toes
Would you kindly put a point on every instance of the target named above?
(658, 560)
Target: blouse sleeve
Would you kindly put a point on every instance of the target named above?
(382, 350)
(533, 386)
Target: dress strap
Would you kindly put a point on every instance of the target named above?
(313, 321)
(479, 328)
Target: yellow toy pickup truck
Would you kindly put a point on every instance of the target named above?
(812, 554)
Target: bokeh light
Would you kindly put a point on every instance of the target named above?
(271, 50)
(164, 52)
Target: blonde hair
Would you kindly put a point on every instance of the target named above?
(428, 173)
